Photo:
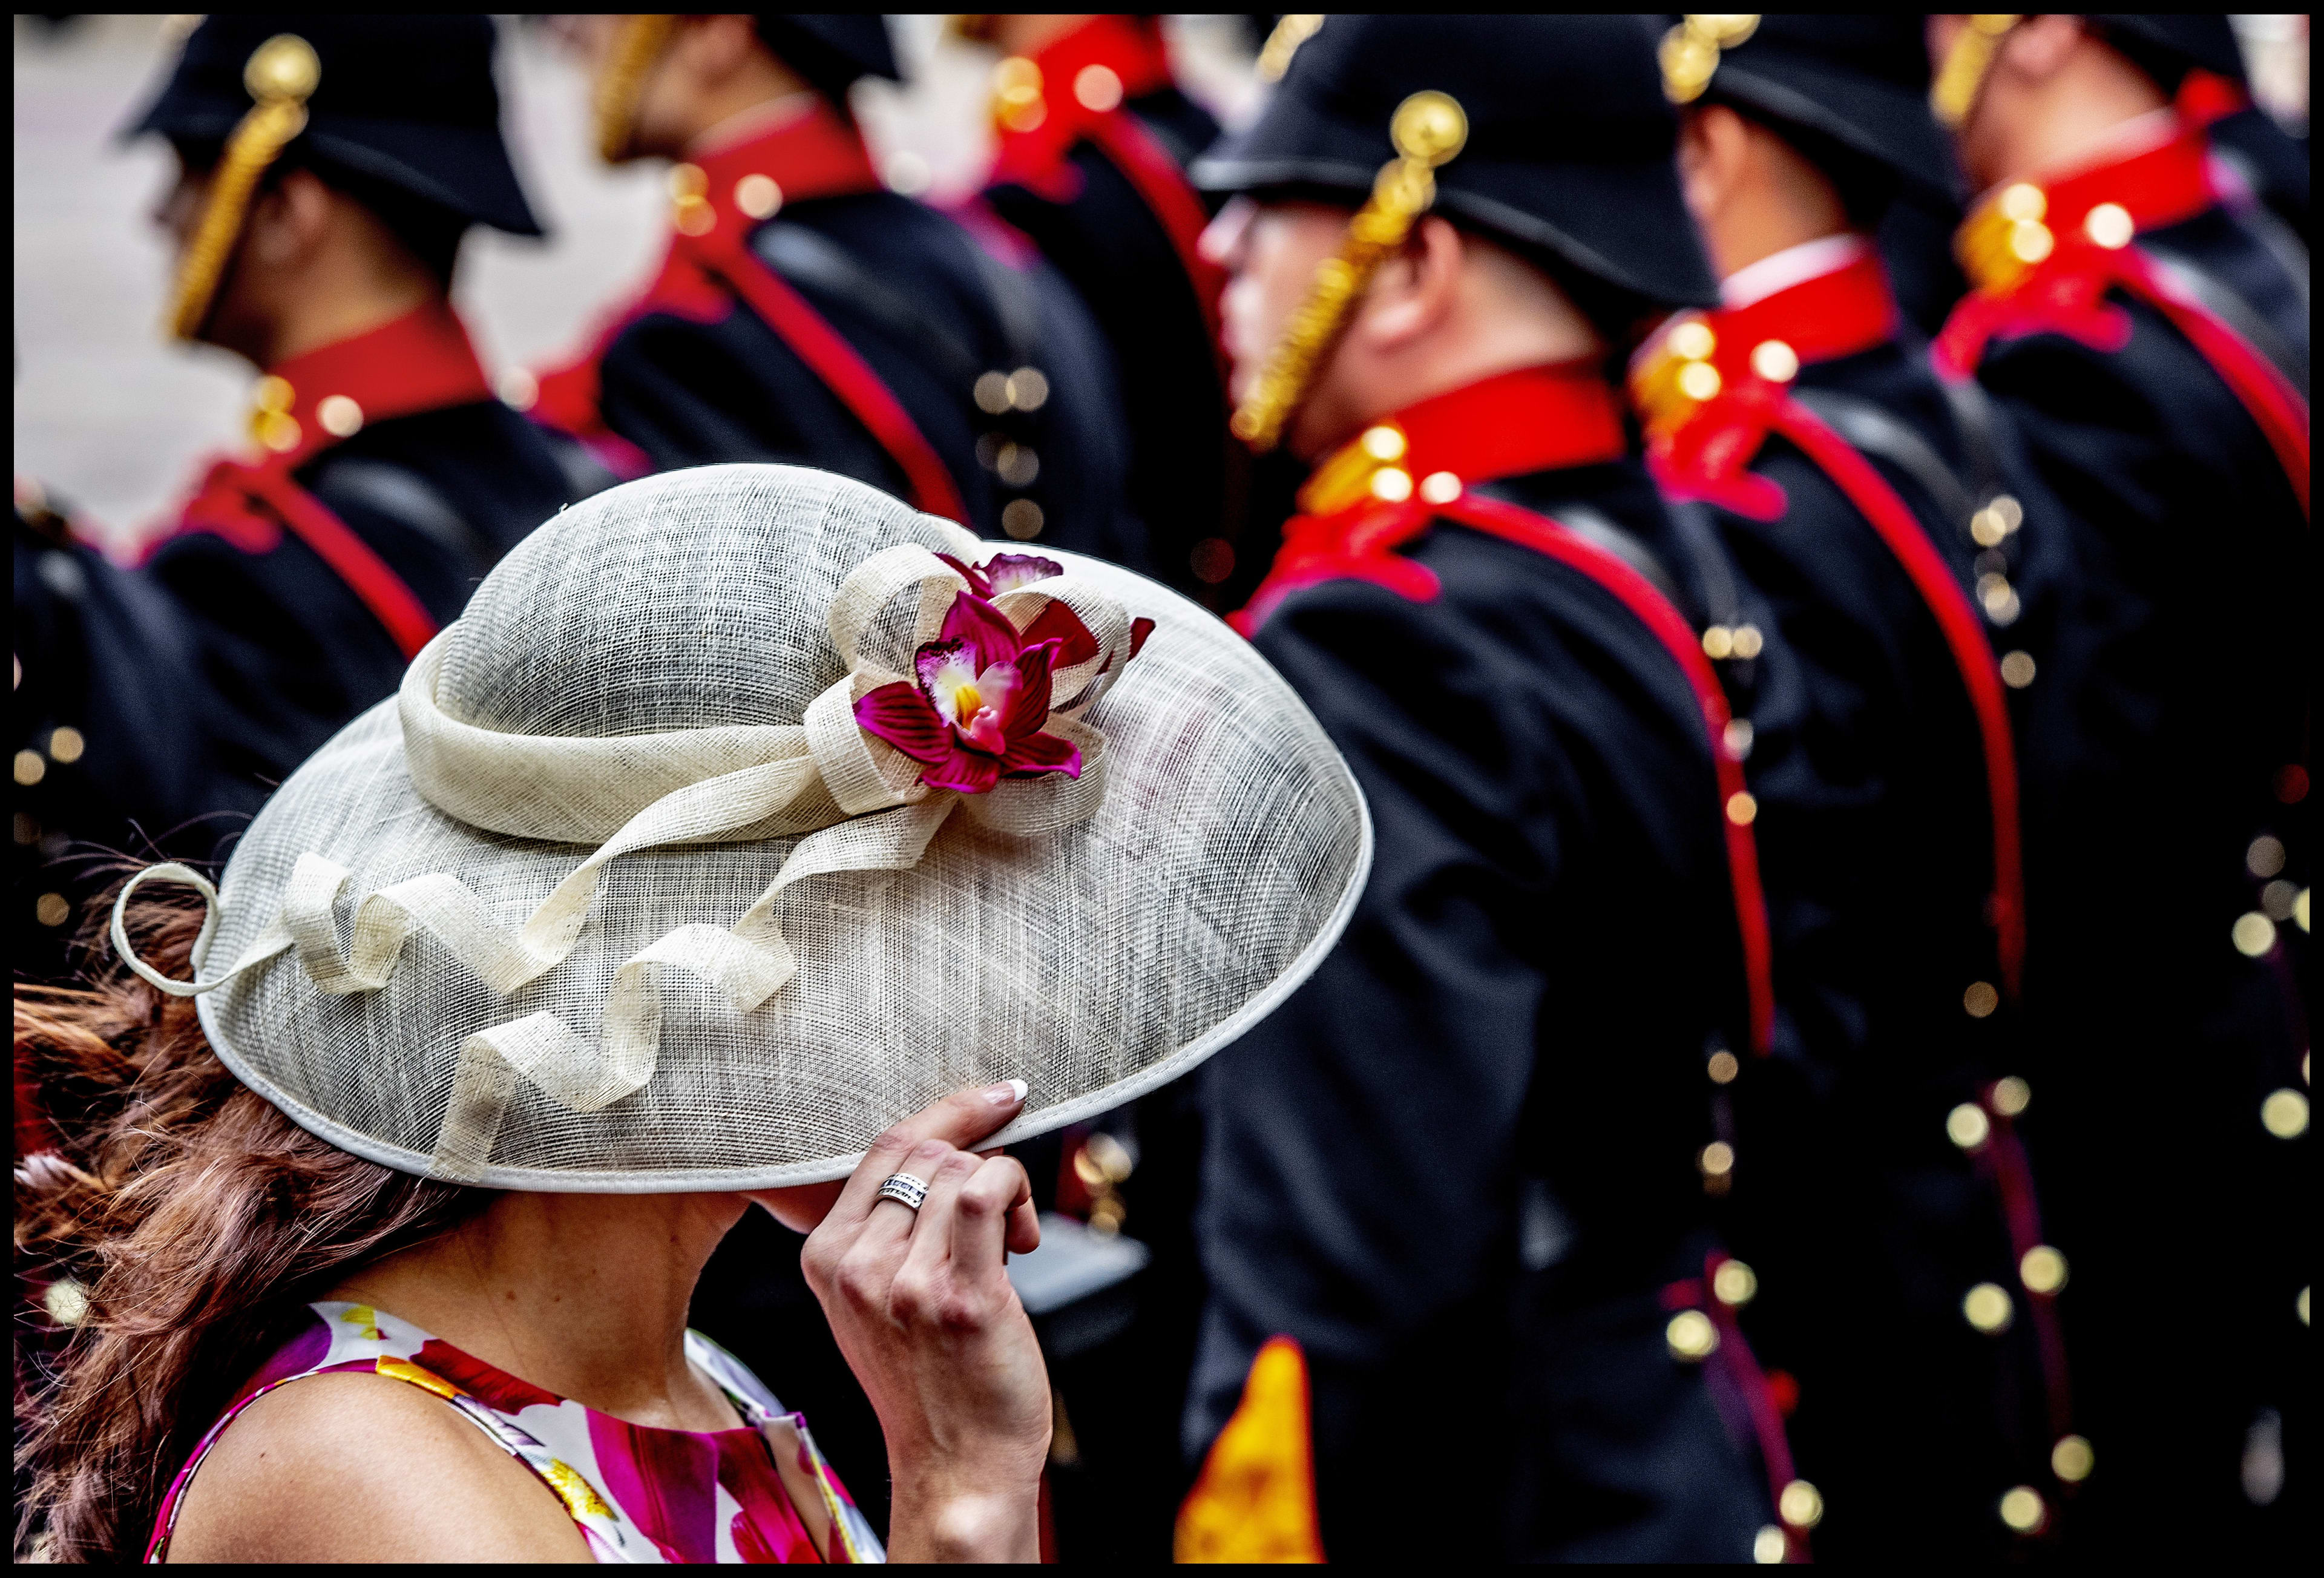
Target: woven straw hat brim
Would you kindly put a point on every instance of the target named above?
(1095, 964)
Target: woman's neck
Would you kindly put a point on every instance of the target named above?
(583, 1294)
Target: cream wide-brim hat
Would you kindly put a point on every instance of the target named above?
(617, 896)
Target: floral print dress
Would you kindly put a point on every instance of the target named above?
(637, 1493)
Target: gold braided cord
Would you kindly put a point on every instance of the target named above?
(281, 75)
(1428, 129)
(1274, 55)
(1962, 76)
(636, 47)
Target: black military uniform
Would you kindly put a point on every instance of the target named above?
(106, 726)
(2153, 350)
(807, 314)
(293, 587)
(1095, 137)
(1460, 1168)
(1880, 1193)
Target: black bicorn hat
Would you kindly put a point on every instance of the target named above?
(1570, 153)
(405, 101)
(831, 50)
(1851, 92)
(2168, 46)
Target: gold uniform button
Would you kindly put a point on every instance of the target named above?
(31, 767)
(1770, 1545)
(759, 196)
(2264, 858)
(1692, 1337)
(1028, 389)
(1698, 381)
(341, 416)
(273, 393)
(2022, 1508)
(1775, 360)
(1693, 339)
(1800, 1505)
(1718, 642)
(2023, 203)
(1736, 737)
(1734, 1284)
(1741, 808)
(66, 744)
(1021, 519)
(1717, 1160)
(2285, 1113)
(1722, 1067)
(2072, 1459)
(991, 392)
(2042, 1269)
(1967, 1126)
(1748, 641)
(687, 182)
(1384, 444)
(1440, 487)
(2279, 900)
(1392, 484)
(2253, 935)
(2010, 1095)
(52, 909)
(1980, 999)
(2109, 226)
(1987, 1307)
(2017, 669)
(1099, 88)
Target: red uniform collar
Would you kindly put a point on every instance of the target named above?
(1046, 102)
(421, 361)
(2153, 174)
(1536, 418)
(814, 153)
(1380, 490)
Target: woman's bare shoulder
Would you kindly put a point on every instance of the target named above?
(361, 1468)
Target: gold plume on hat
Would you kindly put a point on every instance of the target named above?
(1689, 53)
(1967, 64)
(1428, 130)
(281, 75)
(637, 45)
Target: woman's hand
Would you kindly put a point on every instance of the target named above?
(924, 1310)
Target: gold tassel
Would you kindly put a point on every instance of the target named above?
(281, 75)
(635, 49)
(1428, 129)
(1962, 77)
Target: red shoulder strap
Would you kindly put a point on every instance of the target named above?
(2266, 393)
(1524, 527)
(1167, 194)
(837, 364)
(231, 483)
(1972, 655)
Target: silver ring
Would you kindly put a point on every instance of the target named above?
(904, 1189)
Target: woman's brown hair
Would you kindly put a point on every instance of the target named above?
(198, 1218)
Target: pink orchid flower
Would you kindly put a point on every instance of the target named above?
(980, 696)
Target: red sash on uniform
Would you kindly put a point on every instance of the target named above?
(420, 362)
(2041, 255)
(1078, 103)
(709, 265)
(1702, 449)
(1383, 490)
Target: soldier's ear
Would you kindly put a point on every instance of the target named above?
(1415, 289)
(1713, 146)
(2039, 46)
(290, 219)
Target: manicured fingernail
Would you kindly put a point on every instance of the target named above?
(1008, 1093)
